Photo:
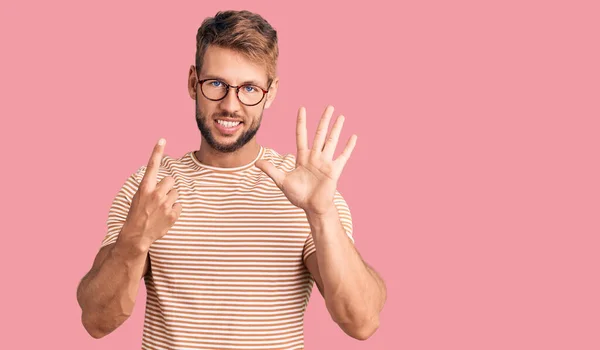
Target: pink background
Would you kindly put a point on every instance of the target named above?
(474, 185)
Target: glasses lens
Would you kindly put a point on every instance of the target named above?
(214, 89)
(250, 94)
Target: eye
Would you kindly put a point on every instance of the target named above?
(249, 88)
(216, 83)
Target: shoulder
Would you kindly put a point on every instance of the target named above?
(284, 162)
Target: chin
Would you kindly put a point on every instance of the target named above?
(225, 147)
(224, 142)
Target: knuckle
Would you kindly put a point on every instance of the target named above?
(143, 191)
(168, 181)
(154, 196)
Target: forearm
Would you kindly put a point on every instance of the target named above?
(107, 294)
(353, 292)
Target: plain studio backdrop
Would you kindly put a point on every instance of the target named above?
(474, 185)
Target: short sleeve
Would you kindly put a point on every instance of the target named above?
(345, 219)
(119, 209)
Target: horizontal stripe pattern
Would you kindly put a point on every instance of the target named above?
(230, 273)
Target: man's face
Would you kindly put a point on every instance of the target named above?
(227, 125)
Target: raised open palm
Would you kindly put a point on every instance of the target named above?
(312, 184)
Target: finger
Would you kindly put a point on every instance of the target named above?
(333, 138)
(172, 197)
(322, 130)
(149, 180)
(268, 168)
(164, 186)
(177, 208)
(301, 134)
(340, 162)
(176, 212)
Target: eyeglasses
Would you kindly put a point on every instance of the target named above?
(216, 90)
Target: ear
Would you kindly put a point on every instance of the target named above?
(272, 92)
(192, 82)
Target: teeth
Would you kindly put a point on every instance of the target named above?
(228, 124)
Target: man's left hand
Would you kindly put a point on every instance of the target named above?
(312, 184)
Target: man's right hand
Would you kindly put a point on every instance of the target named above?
(153, 209)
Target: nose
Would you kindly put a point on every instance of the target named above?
(231, 103)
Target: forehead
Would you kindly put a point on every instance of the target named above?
(231, 66)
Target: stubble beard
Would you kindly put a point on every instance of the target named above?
(242, 140)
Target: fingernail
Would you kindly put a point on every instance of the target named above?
(161, 142)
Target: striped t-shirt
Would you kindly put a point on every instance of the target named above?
(230, 272)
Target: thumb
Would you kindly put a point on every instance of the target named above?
(270, 169)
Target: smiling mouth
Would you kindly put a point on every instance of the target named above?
(228, 127)
(229, 123)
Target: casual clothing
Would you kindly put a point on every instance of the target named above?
(230, 272)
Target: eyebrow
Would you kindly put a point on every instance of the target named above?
(247, 82)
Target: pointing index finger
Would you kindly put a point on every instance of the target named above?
(149, 180)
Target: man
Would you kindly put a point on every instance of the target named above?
(231, 238)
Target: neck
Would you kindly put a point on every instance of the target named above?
(211, 157)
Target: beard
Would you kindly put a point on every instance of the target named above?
(243, 139)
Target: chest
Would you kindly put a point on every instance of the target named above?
(232, 223)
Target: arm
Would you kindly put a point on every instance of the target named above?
(107, 293)
(354, 293)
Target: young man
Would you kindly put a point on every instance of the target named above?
(230, 238)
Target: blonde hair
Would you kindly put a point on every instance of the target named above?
(243, 31)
